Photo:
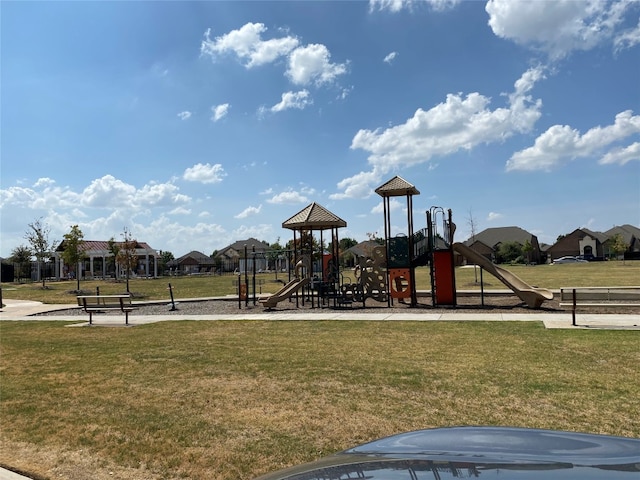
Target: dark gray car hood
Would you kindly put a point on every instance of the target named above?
(484, 452)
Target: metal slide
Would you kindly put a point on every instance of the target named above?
(285, 292)
(532, 296)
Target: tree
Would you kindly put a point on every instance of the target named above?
(343, 245)
(73, 252)
(127, 257)
(21, 256)
(165, 258)
(618, 246)
(509, 252)
(473, 226)
(275, 256)
(41, 246)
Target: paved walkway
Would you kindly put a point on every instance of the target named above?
(9, 475)
(23, 310)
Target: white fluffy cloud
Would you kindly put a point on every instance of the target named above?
(289, 197)
(494, 216)
(561, 26)
(248, 45)
(394, 205)
(184, 115)
(249, 211)
(561, 143)
(309, 64)
(312, 63)
(298, 100)
(205, 173)
(219, 111)
(391, 57)
(622, 155)
(459, 123)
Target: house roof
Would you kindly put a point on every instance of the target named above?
(198, 257)
(314, 217)
(363, 249)
(493, 236)
(601, 237)
(396, 187)
(238, 246)
(627, 231)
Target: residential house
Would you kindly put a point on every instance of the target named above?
(232, 257)
(488, 242)
(581, 241)
(192, 263)
(631, 236)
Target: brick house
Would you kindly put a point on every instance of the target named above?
(488, 242)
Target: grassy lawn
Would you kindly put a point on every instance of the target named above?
(614, 273)
(231, 400)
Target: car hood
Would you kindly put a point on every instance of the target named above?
(468, 452)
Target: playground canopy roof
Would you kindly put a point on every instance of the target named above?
(314, 217)
(396, 187)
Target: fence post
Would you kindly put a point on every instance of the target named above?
(573, 311)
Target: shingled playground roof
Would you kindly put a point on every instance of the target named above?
(314, 217)
(396, 187)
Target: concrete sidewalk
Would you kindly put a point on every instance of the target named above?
(21, 310)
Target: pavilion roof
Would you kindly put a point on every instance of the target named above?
(396, 187)
(314, 217)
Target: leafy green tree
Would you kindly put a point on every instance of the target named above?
(127, 258)
(343, 245)
(21, 257)
(165, 258)
(41, 246)
(73, 252)
(509, 252)
(618, 246)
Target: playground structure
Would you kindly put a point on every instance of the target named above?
(387, 273)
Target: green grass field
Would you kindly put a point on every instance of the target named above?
(231, 400)
(614, 273)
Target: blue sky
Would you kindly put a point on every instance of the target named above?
(195, 125)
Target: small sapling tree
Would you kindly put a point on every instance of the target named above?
(41, 246)
(73, 252)
(127, 257)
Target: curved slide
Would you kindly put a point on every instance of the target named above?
(532, 296)
(285, 292)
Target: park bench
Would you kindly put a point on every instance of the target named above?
(102, 303)
(598, 297)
